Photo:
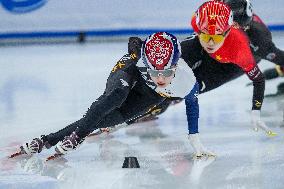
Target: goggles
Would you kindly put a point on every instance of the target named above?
(165, 73)
(216, 38)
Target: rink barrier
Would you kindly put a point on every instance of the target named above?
(81, 36)
(94, 33)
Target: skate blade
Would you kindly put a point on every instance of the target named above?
(53, 157)
(271, 134)
(210, 155)
(204, 156)
(195, 157)
(22, 152)
(19, 153)
(94, 134)
(101, 131)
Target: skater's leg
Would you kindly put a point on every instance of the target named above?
(54, 138)
(136, 104)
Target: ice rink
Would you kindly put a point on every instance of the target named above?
(44, 88)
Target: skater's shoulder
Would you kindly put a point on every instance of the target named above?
(126, 63)
(128, 60)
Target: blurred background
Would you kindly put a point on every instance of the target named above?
(88, 20)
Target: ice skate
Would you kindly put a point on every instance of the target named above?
(68, 144)
(33, 147)
(257, 124)
(101, 131)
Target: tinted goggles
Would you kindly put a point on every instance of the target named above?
(157, 73)
(216, 38)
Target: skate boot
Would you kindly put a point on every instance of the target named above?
(69, 143)
(33, 147)
(257, 124)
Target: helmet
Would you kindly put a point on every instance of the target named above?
(161, 51)
(242, 11)
(214, 17)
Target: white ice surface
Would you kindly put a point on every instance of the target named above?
(44, 88)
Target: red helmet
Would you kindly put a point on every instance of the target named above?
(214, 17)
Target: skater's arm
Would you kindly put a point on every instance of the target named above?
(258, 87)
(245, 59)
(192, 110)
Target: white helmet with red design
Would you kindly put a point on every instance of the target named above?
(214, 17)
(161, 51)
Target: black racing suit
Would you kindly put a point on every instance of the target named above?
(261, 42)
(263, 47)
(126, 97)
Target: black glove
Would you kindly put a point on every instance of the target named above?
(134, 46)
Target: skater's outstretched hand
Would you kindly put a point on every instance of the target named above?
(198, 147)
(257, 123)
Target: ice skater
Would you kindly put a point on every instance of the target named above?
(260, 38)
(218, 52)
(133, 89)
